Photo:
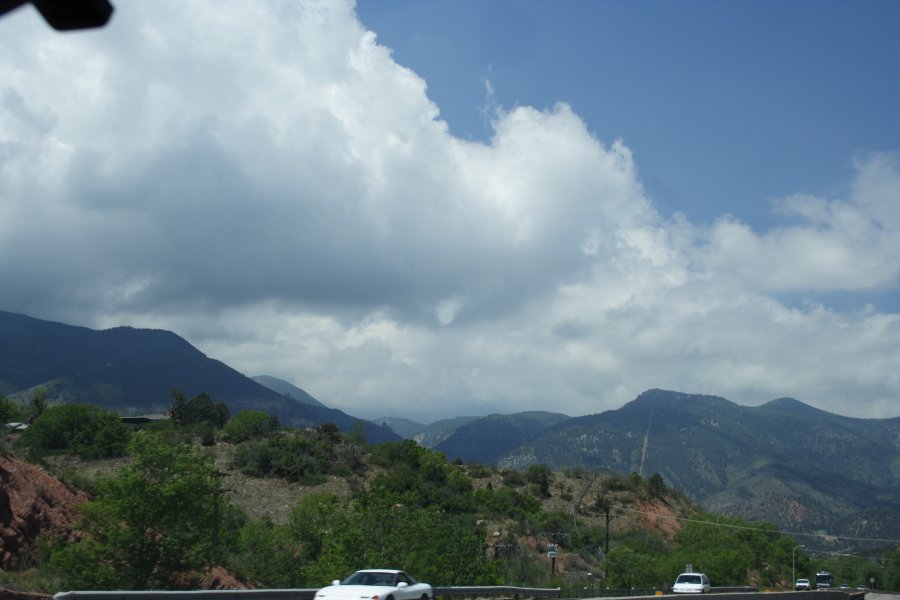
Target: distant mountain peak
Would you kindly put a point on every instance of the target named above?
(658, 398)
(792, 406)
(287, 389)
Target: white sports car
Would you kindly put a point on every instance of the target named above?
(376, 584)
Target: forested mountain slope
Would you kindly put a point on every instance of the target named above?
(133, 371)
(784, 461)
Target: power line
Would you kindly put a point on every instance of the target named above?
(749, 528)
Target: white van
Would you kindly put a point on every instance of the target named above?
(691, 583)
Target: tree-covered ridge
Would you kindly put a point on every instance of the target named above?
(783, 462)
(160, 521)
(131, 371)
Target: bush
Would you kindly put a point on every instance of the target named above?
(200, 409)
(11, 412)
(150, 526)
(250, 425)
(81, 429)
(302, 456)
(508, 502)
(477, 471)
(421, 477)
(513, 478)
(540, 476)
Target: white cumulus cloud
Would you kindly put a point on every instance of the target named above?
(265, 180)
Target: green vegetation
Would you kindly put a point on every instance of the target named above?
(884, 568)
(306, 456)
(37, 404)
(11, 412)
(249, 425)
(80, 429)
(150, 525)
(163, 519)
(199, 409)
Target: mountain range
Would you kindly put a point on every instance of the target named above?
(804, 469)
(132, 371)
(785, 462)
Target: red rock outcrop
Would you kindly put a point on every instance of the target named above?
(32, 503)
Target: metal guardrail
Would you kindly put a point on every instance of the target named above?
(300, 594)
(286, 594)
(606, 592)
(495, 590)
(739, 593)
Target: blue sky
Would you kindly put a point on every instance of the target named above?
(724, 104)
(436, 209)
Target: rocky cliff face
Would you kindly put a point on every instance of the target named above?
(32, 503)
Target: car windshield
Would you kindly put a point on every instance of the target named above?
(371, 578)
(688, 579)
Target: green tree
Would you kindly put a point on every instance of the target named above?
(152, 524)
(82, 429)
(250, 425)
(313, 520)
(656, 486)
(267, 554)
(730, 549)
(11, 411)
(358, 433)
(434, 546)
(331, 431)
(420, 476)
(304, 456)
(37, 404)
(888, 576)
(199, 409)
(626, 568)
(540, 476)
(508, 502)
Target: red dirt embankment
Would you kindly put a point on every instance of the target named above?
(32, 503)
(656, 514)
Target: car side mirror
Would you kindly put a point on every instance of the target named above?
(336, 582)
(402, 584)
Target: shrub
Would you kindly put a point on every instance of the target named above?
(477, 471)
(85, 430)
(198, 409)
(301, 456)
(250, 425)
(513, 478)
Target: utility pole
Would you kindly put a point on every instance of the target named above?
(553, 547)
(608, 519)
(605, 505)
(793, 571)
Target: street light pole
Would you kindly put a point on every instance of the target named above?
(793, 570)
